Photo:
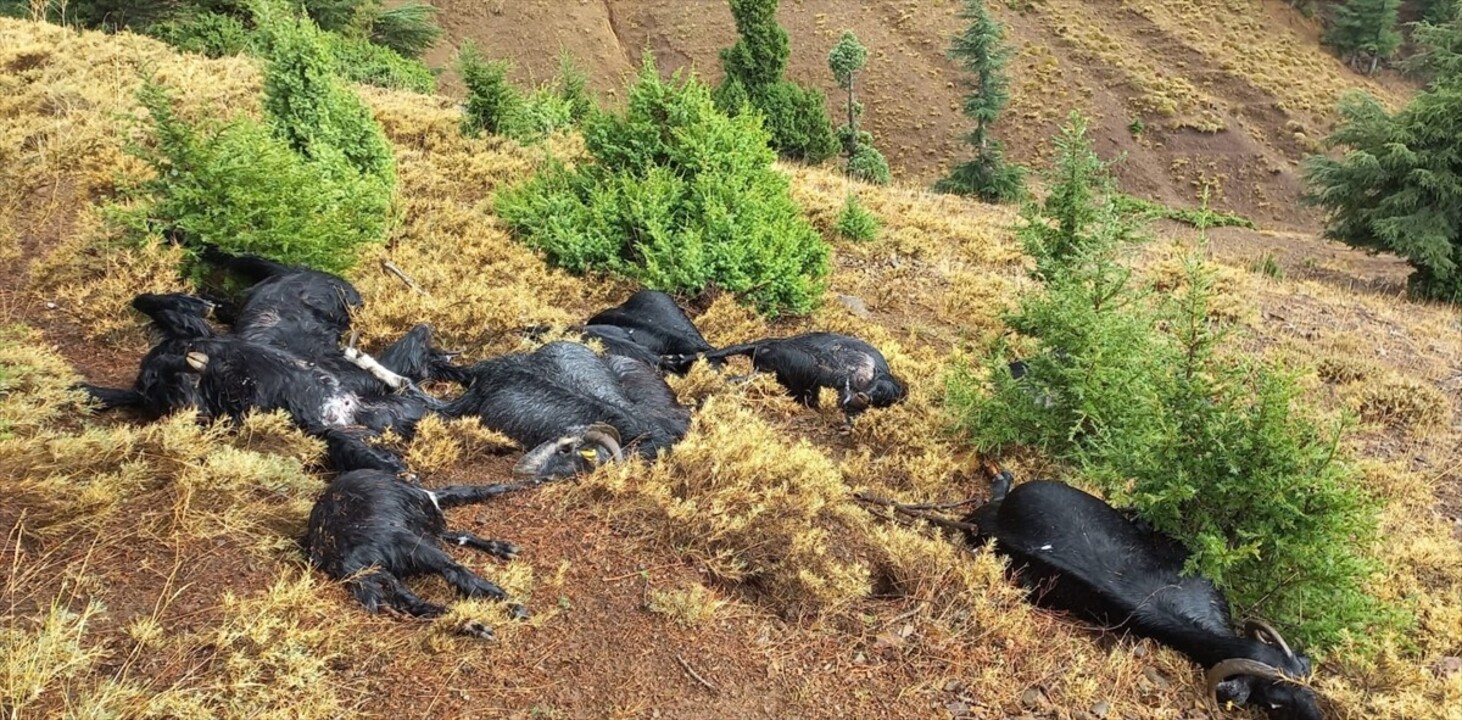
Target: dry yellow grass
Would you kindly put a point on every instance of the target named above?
(759, 495)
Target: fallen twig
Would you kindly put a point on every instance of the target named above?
(392, 268)
(903, 615)
(704, 682)
(916, 512)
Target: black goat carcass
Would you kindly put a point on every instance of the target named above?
(1078, 554)
(164, 381)
(806, 363)
(649, 325)
(306, 312)
(237, 376)
(572, 409)
(373, 531)
(301, 310)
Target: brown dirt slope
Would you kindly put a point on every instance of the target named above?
(151, 569)
(1232, 94)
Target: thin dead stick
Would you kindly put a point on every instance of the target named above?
(704, 682)
(394, 269)
(942, 506)
(916, 513)
(903, 615)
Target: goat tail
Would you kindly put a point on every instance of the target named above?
(111, 398)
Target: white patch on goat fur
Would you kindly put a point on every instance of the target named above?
(1047, 546)
(339, 410)
(434, 502)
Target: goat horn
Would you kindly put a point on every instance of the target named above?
(1239, 666)
(606, 435)
(1258, 629)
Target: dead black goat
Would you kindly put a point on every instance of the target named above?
(571, 409)
(806, 363)
(652, 321)
(164, 381)
(373, 531)
(1079, 555)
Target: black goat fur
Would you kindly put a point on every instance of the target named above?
(374, 531)
(1077, 554)
(653, 321)
(562, 389)
(805, 363)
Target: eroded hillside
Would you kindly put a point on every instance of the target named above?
(152, 571)
(1230, 94)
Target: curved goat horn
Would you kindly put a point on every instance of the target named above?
(605, 435)
(1239, 666)
(1258, 629)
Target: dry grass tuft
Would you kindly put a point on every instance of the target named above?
(687, 606)
(1406, 402)
(441, 444)
(754, 508)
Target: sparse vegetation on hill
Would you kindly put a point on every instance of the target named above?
(1398, 184)
(495, 106)
(1137, 393)
(311, 187)
(678, 196)
(795, 116)
(152, 569)
(982, 53)
(367, 42)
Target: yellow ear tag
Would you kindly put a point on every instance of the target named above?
(589, 454)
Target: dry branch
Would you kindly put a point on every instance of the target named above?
(917, 511)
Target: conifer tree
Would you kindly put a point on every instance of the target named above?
(864, 161)
(1365, 28)
(982, 52)
(795, 116)
(1399, 185)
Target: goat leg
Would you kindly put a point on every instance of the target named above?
(496, 548)
(369, 364)
(392, 380)
(381, 590)
(469, 583)
(454, 495)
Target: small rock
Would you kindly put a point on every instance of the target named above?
(957, 708)
(954, 686)
(855, 305)
(1140, 651)
(1447, 667)
(1033, 698)
(50, 306)
(1101, 709)
(1155, 677)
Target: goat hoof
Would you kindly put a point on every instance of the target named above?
(197, 360)
(477, 629)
